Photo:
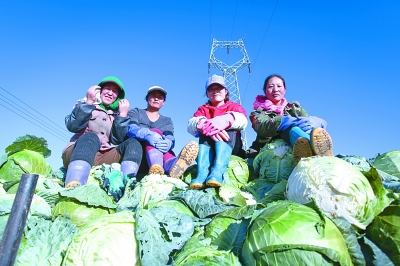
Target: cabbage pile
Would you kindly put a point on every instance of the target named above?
(341, 210)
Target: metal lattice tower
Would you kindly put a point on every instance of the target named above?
(230, 71)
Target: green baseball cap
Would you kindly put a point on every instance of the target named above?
(116, 81)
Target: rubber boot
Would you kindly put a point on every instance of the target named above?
(155, 161)
(223, 153)
(177, 166)
(300, 142)
(321, 142)
(204, 159)
(129, 168)
(77, 173)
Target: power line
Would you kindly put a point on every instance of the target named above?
(36, 124)
(210, 40)
(248, 21)
(265, 34)
(30, 116)
(234, 19)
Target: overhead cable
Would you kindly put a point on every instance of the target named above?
(30, 115)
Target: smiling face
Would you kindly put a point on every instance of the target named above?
(216, 93)
(109, 93)
(155, 100)
(275, 90)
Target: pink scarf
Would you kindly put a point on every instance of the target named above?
(262, 101)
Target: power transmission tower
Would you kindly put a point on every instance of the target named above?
(230, 71)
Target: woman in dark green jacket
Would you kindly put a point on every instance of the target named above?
(275, 118)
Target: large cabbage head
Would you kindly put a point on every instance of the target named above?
(83, 203)
(289, 233)
(106, 240)
(24, 162)
(338, 187)
(274, 162)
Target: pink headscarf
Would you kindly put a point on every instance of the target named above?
(262, 101)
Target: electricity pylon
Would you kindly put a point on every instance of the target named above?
(230, 71)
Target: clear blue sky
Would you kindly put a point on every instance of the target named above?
(340, 60)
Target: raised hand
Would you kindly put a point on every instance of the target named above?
(91, 94)
(123, 107)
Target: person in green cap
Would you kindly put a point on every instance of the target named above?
(100, 123)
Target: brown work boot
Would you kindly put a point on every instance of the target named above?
(187, 156)
(321, 142)
(301, 149)
(156, 169)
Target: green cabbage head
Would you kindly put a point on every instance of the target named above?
(274, 162)
(289, 233)
(106, 240)
(24, 162)
(338, 187)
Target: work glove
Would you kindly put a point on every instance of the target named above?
(152, 138)
(286, 122)
(164, 145)
(114, 184)
(217, 124)
(221, 136)
(308, 123)
(134, 131)
(200, 125)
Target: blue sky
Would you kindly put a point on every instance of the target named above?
(340, 60)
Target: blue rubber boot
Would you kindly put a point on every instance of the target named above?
(177, 166)
(300, 142)
(155, 161)
(204, 159)
(129, 168)
(295, 133)
(223, 153)
(77, 173)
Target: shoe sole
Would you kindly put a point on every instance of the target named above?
(321, 142)
(73, 183)
(197, 186)
(186, 158)
(213, 183)
(301, 149)
(156, 169)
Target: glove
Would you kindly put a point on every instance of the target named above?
(217, 124)
(221, 136)
(200, 125)
(287, 121)
(152, 138)
(164, 144)
(114, 184)
(308, 123)
(134, 131)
